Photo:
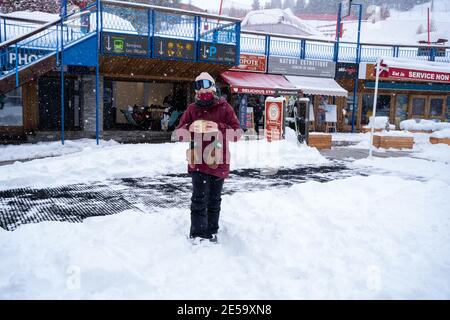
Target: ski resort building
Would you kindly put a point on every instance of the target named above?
(111, 71)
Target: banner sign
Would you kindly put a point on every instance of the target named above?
(274, 118)
(167, 48)
(215, 52)
(415, 75)
(243, 111)
(301, 67)
(251, 62)
(125, 44)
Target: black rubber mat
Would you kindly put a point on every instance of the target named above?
(74, 203)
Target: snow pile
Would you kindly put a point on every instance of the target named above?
(48, 149)
(417, 124)
(423, 125)
(380, 123)
(395, 133)
(34, 15)
(278, 16)
(85, 161)
(441, 134)
(441, 126)
(350, 239)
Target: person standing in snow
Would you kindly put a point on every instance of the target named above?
(209, 124)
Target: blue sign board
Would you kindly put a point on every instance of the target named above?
(219, 53)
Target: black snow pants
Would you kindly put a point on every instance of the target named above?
(205, 204)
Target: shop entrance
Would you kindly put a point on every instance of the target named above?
(50, 104)
(383, 107)
(148, 106)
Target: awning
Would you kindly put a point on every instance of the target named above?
(322, 86)
(258, 83)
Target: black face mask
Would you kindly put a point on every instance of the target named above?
(205, 104)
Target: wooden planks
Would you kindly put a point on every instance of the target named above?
(434, 140)
(156, 69)
(28, 74)
(319, 141)
(30, 106)
(366, 130)
(393, 142)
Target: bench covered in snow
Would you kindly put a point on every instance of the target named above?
(423, 125)
(319, 140)
(380, 124)
(442, 136)
(395, 140)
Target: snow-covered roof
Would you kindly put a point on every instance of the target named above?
(416, 64)
(17, 28)
(312, 85)
(278, 16)
(34, 15)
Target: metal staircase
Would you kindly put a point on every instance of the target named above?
(36, 52)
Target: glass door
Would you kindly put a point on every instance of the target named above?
(418, 107)
(437, 110)
(401, 109)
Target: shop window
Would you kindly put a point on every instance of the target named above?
(348, 110)
(383, 107)
(448, 108)
(436, 107)
(418, 107)
(401, 109)
(11, 108)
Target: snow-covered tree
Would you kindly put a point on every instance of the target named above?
(289, 4)
(299, 5)
(256, 5)
(276, 4)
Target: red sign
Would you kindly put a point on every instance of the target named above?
(415, 75)
(274, 119)
(251, 62)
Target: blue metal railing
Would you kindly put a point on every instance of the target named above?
(174, 25)
(24, 49)
(253, 44)
(319, 50)
(154, 21)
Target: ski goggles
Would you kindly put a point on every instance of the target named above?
(203, 84)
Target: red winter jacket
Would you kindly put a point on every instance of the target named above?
(222, 114)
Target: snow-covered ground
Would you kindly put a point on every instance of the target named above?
(83, 161)
(384, 235)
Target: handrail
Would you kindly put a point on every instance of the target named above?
(169, 10)
(216, 29)
(27, 35)
(279, 35)
(294, 37)
(3, 16)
